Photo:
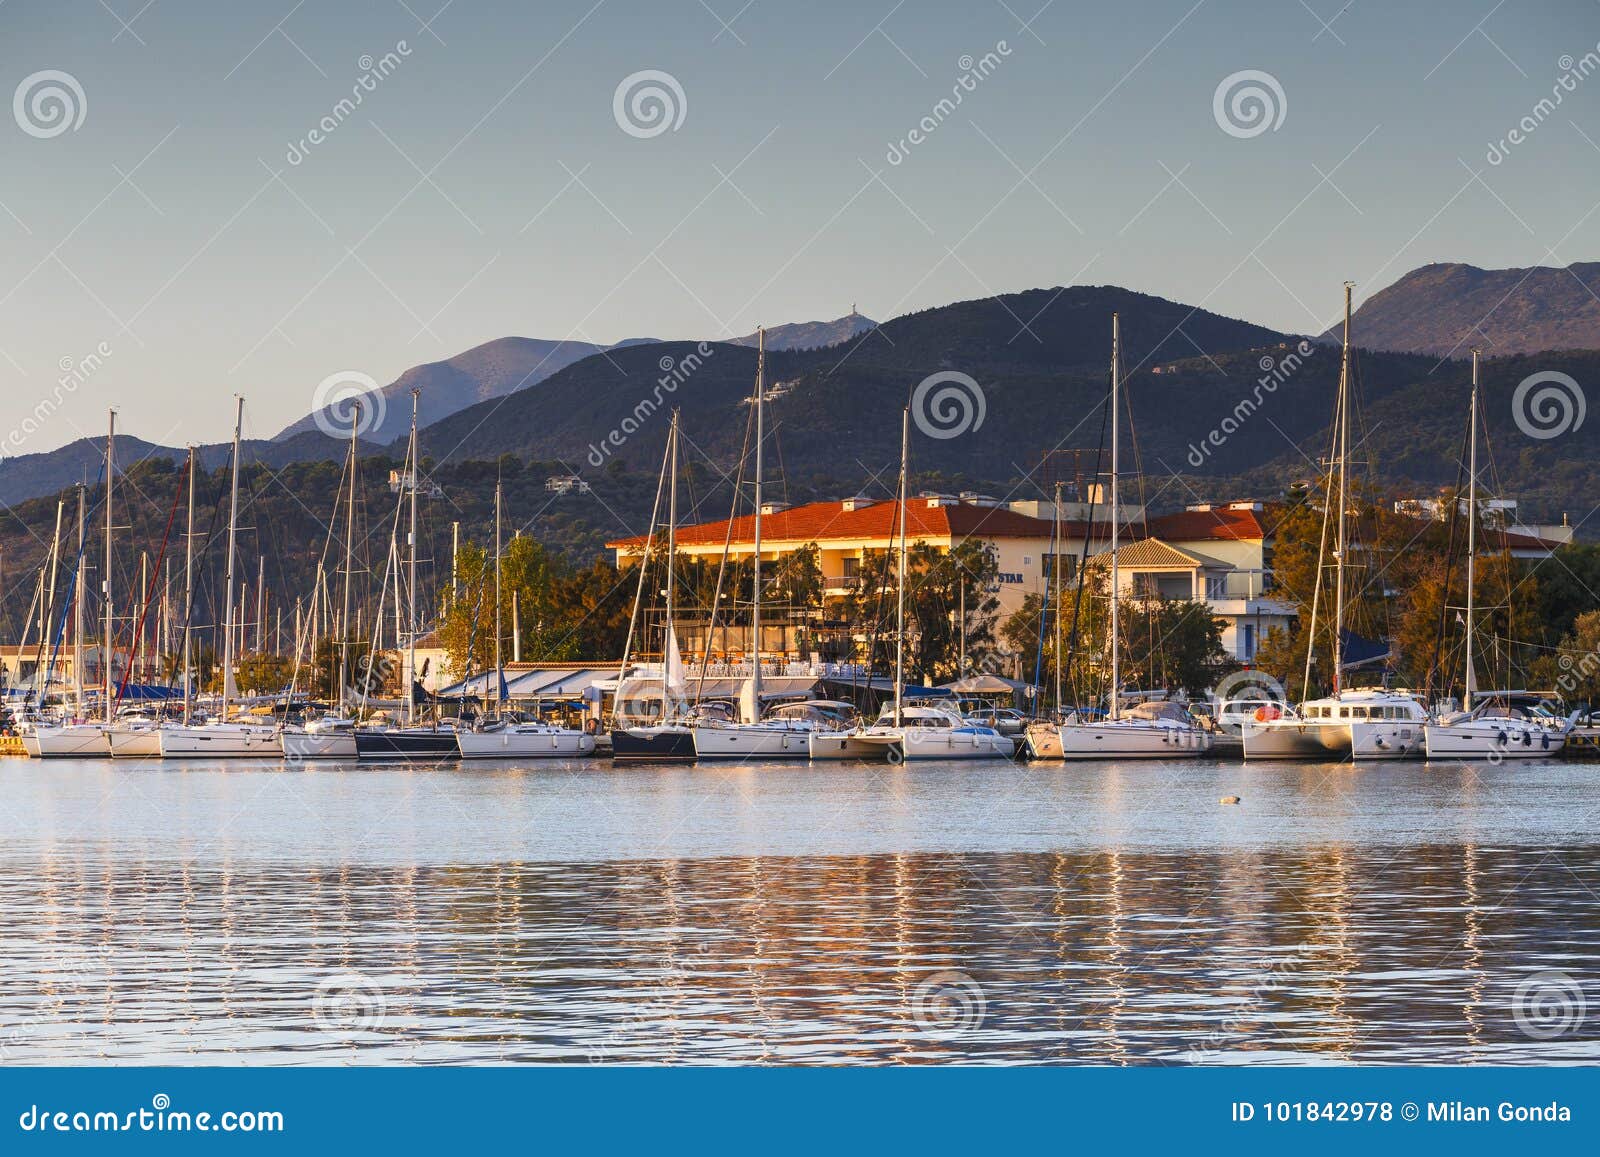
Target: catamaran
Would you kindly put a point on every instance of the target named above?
(1147, 731)
(1361, 723)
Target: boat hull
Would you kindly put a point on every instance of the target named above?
(843, 745)
(227, 741)
(1113, 740)
(653, 743)
(1042, 741)
(324, 745)
(920, 744)
(752, 743)
(1513, 741)
(1386, 739)
(135, 742)
(74, 740)
(1296, 739)
(510, 743)
(409, 745)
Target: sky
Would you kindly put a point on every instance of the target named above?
(172, 233)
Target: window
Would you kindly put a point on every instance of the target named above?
(1069, 567)
(1249, 641)
(852, 568)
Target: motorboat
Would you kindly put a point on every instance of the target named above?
(514, 739)
(1503, 725)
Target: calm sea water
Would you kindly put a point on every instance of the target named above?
(985, 913)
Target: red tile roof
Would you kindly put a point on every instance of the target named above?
(1218, 523)
(821, 521)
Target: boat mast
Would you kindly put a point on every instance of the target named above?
(1340, 535)
(1116, 513)
(188, 596)
(77, 606)
(349, 564)
(411, 592)
(105, 642)
(498, 676)
(900, 592)
(669, 638)
(1055, 567)
(233, 526)
(755, 601)
(1472, 524)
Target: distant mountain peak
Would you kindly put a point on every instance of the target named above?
(810, 335)
(1445, 309)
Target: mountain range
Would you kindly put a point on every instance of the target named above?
(1037, 361)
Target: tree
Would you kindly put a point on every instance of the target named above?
(258, 673)
(1574, 670)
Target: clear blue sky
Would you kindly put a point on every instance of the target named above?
(485, 188)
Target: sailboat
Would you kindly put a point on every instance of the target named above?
(669, 737)
(502, 738)
(1362, 723)
(755, 737)
(219, 737)
(922, 731)
(1148, 730)
(78, 737)
(333, 736)
(135, 733)
(411, 741)
(1504, 725)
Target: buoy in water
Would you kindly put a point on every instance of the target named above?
(1230, 799)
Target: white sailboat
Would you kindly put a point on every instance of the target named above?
(219, 737)
(81, 737)
(502, 738)
(334, 736)
(1149, 730)
(1362, 723)
(1496, 727)
(904, 733)
(755, 737)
